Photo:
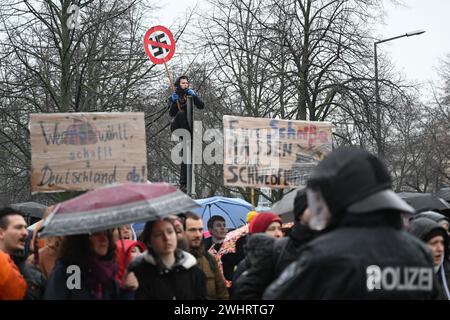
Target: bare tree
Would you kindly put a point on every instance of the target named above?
(48, 66)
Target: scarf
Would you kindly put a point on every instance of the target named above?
(100, 275)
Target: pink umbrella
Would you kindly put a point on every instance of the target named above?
(229, 243)
(116, 205)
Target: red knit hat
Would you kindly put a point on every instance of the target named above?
(262, 221)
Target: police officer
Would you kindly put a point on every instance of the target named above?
(363, 252)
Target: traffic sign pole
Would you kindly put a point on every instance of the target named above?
(159, 46)
(171, 83)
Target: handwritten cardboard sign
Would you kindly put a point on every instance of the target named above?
(272, 153)
(83, 151)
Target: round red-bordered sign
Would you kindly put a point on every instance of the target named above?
(159, 44)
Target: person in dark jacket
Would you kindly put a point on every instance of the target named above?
(268, 224)
(177, 103)
(275, 256)
(363, 252)
(436, 237)
(435, 216)
(165, 272)
(86, 270)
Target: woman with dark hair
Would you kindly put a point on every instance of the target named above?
(163, 271)
(177, 103)
(86, 270)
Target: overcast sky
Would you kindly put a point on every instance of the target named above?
(416, 57)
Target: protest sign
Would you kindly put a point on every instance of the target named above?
(272, 153)
(82, 151)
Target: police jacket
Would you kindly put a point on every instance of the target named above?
(366, 256)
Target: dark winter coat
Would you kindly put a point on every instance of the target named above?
(425, 228)
(255, 269)
(443, 280)
(184, 281)
(36, 281)
(367, 256)
(230, 261)
(179, 120)
(258, 271)
(57, 288)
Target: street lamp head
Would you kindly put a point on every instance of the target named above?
(414, 33)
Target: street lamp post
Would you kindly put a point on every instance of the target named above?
(380, 149)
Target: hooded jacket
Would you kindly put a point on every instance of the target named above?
(184, 281)
(123, 261)
(425, 229)
(367, 256)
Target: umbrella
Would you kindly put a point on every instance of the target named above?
(31, 209)
(233, 210)
(116, 205)
(444, 193)
(229, 243)
(285, 207)
(33, 226)
(425, 202)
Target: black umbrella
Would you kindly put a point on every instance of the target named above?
(31, 209)
(425, 202)
(444, 193)
(286, 206)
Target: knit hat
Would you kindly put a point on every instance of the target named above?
(251, 215)
(262, 221)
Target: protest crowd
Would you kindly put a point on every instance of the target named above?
(351, 237)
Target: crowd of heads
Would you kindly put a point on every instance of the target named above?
(348, 183)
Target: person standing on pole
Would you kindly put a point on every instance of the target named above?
(177, 105)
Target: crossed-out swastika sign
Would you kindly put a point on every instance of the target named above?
(159, 44)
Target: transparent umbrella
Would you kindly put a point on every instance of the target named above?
(116, 205)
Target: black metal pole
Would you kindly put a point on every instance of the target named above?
(380, 151)
(190, 120)
(380, 146)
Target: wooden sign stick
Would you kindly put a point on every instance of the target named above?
(171, 83)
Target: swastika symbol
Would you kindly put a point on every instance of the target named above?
(161, 38)
(159, 44)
